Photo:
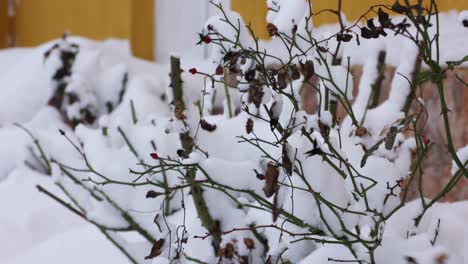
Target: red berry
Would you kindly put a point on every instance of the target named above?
(154, 155)
(193, 71)
(206, 39)
(426, 141)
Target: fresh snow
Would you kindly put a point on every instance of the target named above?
(35, 229)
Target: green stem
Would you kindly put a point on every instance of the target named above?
(207, 220)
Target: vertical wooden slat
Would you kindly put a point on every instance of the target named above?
(38, 21)
(142, 28)
(3, 23)
(254, 13)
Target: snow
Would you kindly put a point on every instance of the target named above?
(96, 165)
(463, 18)
(463, 157)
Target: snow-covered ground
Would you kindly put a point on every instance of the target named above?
(36, 229)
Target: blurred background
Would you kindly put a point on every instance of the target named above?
(154, 28)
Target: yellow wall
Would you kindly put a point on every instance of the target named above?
(142, 28)
(38, 21)
(254, 11)
(3, 23)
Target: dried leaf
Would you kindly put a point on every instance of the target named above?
(219, 70)
(271, 180)
(384, 18)
(441, 259)
(250, 75)
(286, 160)
(156, 249)
(307, 69)
(229, 251)
(370, 24)
(400, 9)
(324, 129)
(207, 126)
(368, 33)
(275, 210)
(153, 194)
(249, 126)
(390, 140)
(249, 243)
(411, 260)
(345, 37)
(295, 75)
(282, 80)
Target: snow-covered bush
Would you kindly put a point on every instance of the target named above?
(166, 179)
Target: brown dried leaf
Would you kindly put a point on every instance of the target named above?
(271, 180)
(307, 69)
(295, 75)
(441, 259)
(249, 243)
(229, 251)
(219, 70)
(249, 126)
(345, 37)
(207, 126)
(400, 9)
(156, 249)
(324, 129)
(286, 160)
(275, 210)
(153, 194)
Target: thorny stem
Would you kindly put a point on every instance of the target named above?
(208, 222)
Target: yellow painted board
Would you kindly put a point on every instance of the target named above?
(142, 28)
(254, 11)
(3, 23)
(38, 21)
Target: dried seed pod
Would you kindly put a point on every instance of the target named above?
(282, 80)
(361, 131)
(272, 30)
